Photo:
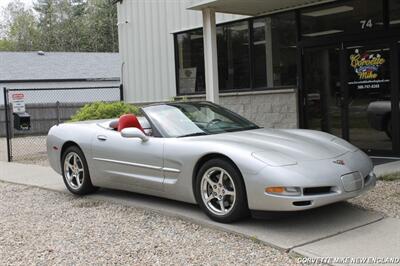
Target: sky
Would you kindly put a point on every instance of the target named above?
(4, 3)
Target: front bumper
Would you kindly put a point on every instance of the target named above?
(297, 203)
(310, 175)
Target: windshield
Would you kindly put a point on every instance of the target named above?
(192, 119)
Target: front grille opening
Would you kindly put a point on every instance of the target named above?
(302, 203)
(310, 191)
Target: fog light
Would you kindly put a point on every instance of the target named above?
(285, 191)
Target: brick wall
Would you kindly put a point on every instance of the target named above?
(270, 109)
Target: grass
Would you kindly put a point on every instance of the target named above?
(390, 177)
(256, 240)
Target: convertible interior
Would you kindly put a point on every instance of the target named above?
(130, 120)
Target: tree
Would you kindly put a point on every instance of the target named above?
(72, 33)
(102, 18)
(19, 28)
(61, 25)
(47, 24)
(6, 45)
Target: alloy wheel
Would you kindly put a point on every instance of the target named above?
(218, 191)
(74, 170)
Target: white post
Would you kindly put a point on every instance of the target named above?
(210, 55)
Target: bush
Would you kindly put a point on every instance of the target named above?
(102, 110)
(390, 177)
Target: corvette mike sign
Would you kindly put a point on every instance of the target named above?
(369, 69)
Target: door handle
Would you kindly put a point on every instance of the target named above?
(102, 138)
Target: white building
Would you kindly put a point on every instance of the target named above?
(57, 70)
(280, 63)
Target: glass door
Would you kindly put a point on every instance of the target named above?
(323, 97)
(369, 106)
(348, 93)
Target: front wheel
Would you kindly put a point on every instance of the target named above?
(75, 172)
(220, 191)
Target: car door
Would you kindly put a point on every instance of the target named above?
(127, 162)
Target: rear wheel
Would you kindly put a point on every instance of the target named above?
(220, 191)
(75, 172)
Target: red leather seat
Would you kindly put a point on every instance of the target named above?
(129, 120)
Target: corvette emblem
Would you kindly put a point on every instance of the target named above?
(340, 162)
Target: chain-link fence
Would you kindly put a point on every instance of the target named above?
(45, 108)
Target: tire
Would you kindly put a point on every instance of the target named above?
(75, 172)
(388, 128)
(223, 201)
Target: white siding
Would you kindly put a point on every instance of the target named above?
(147, 46)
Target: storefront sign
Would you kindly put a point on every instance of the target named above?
(369, 69)
(18, 102)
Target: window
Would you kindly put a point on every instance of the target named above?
(260, 46)
(263, 57)
(394, 13)
(190, 57)
(274, 42)
(344, 17)
(233, 56)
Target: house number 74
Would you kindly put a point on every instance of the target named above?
(366, 23)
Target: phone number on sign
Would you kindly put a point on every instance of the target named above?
(368, 86)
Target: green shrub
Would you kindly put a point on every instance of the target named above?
(390, 177)
(103, 110)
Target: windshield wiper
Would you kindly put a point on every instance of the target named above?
(242, 128)
(194, 134)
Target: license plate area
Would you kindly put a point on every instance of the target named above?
(352, 181)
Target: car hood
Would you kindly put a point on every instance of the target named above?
(288, 144)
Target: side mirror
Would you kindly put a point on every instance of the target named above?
(133, 132)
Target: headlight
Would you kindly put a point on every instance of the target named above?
(274, 158)
(284, 191)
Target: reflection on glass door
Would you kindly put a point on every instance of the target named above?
(369, 97)
(322, 89)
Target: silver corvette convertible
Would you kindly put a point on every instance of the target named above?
(199, 152)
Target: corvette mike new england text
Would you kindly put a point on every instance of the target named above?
(350, 260)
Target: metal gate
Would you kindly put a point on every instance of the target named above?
(44, 107)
